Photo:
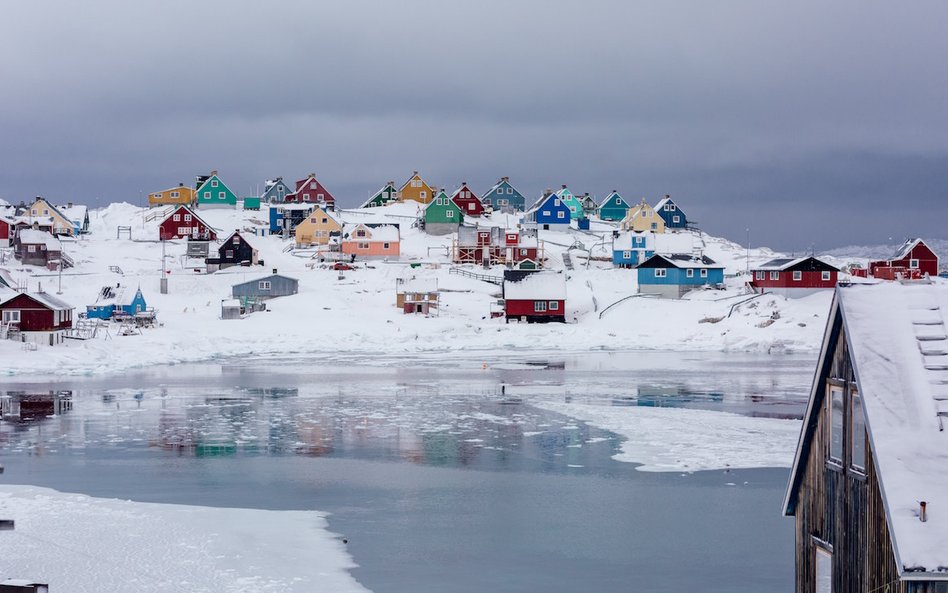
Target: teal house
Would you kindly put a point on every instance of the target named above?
(572, 202)
(442, 216)
(213, 193)
(671, 276)
(504, 197)
(387, 194)
(614, 207)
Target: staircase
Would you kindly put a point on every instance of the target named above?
(85, 329)
(567, 260)
(484, 277)
(163, 213)
(66, 261)
(116, 270)
(931, 335)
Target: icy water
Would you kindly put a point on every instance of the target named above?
(440, 473)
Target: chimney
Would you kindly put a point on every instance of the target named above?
(564, 186)
(180, 184)
(614, 191)
(391, 183)
(311, 175)
(414, 173)
(274, 270)
(68, 204)
(505, 178)
(214, 172)
(922, 512)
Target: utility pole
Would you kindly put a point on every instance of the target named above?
(748, 242)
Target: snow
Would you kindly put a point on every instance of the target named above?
(901, 400)
(678, 439)
(33, 237)
(82, 544)
(358, 310)
(537, 286)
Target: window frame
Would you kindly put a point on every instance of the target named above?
(834, 386)
(854, 396)
(661, 273)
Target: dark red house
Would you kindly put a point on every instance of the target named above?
(6, 232)
(535, 297)
(37, 316)
(912, 261)
(494, 245)
(183, 223)
(467, 201)
(311, 191)
(795, 277)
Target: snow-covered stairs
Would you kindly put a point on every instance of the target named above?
(931, 335)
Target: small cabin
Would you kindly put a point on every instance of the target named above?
(117, 301)
(6, 231)
(179, 194)
(268, 287)
(613, 207)
(212, 192)
(36, 317)
(534, 297)
(912, 261)
(642, 218)
(794, 277)
(417, 295)
(275, 191)
(868, 490)
(311, 191)
(235, 250)
(442, 216)
(672, 276)
(37, 248)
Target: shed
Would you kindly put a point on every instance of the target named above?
(535, 297)
(671, 276)
(230, 309)
(417, 295)
(252, 203)
(268, 287)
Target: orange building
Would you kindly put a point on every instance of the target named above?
(175, 195)
(416, 189)
(371, 242)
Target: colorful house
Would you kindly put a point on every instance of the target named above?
(642, 218)
(284, 218)
(275, 191)
(494, 246)
(38, 248)
(317, 228)
(673, 216)
(416, 189)
(41, 209)
(671, 276)
(114, 301)
(614, 207)
(573, 203)
(549, 213)
(366, 241)
(36, 317)
(213, 193)
(173, 195)
(6, 231)
(467, 201)
(386, 195)
(867, 489)
(183, 223)
(268, 287)
(913, 260)
(589, 205)
(504, 197)
(534, 297)
(630, 249)
(236, 250)
(78, 215)
(442, 216)
(311, 191)
(794, 277)
(417, 295)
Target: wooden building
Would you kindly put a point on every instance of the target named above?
(311, 191)
(642, 218)
(417, 190)
(6, 231)
(180, 194)
(504, 197)
(371, 241)
(672, 276)
(467, 201)
(913, 260)
(235, 250)
(37, 248)
(268, 287)
(794, 277)
(417, 295)
(35, 317)
(869, 485)
(490, 246)
(534, 297)
(183, 223)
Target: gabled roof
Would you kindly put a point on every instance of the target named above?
(75, 212)
(269, 277)
(52, 208)
(382, 232)
(328, 214)
(679, 260)
(502, 181)
(415, 284)
(893, 331)
(907, 248)
(790, 264)
(543, 199)
(536, 286)
(390, 184)
(239, 234)
(462, 187)
(413, 175)
(34, 237)
(189, 211)
(48, 300)
(663, 201)
(209, 179)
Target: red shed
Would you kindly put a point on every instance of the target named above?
(536, 297)
(183, 223)
(6, 232)
(913, 260)
(467, 201)
(311, 191)
(797, 277)
(39, 317)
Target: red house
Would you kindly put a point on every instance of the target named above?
(494, 245)
(534, 297)
(6, 232)
(183, 223)
(37, 317)
(797, 277)
(912, 261)
(311, 191)
(467, 201)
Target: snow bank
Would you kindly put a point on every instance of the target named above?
(81, 544)
(678, 439)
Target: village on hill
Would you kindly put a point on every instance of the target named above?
(417, 269)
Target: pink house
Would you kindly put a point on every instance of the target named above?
(367, 241)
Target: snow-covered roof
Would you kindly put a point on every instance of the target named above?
(415, 284)
(664, 243)
(537, 286)
(189, 211)
(663, 201)
(463, 187)
(305, 206)
(380, 190)
(679, 260)
(896, 335)
(50, 301)
(242, 236)
(34, 237)
(785, 263)
(906, 248)
(384, 232)
(117, 296)
(74, 212)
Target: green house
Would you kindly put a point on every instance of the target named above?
(212, 193)
(384, 196)
(442, 215)
(574, 204)
(614, 207)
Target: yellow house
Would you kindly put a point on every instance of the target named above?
(45, 213)
(174, 195)
(643, 217)
(416, 189)
(317, 228)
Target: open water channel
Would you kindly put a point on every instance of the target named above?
(440, 473)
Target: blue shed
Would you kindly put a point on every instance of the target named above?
(673, 216)
(549, 213)
(504, 197)
(267, 287)
(114, 300)
(671, 276)
(614, 207)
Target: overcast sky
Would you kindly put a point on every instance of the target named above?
(820, 123)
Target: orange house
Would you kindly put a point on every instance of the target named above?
(371, 242)
(174, 195)
(416, 189)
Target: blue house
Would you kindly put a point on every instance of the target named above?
(549, 213)
(629, 249)
(671, 276)
(673, 216)
(504, 197)
(285, 217)
(276, 191)
(614, 207)
(116, 301)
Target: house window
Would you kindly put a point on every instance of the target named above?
(264, 285)
(207, 195)
(690, 273)
(449, 214)
(321, 197)
(363, 245)
(325, 220)
(758, 275)
(835, 424)
(545, 213)
(470, 206)
(661, 272)
(214, 183)
(556, 202)
(824, 570)
(416, 183)
(704, 273)
(184, 230)
(11, 316)
(626, 255)
(775, 275)
(654, 226)
(554, 306)
(913, 264)
(221, 195)
(858, 432)
(386, 245)
(502, 202)
(31, 248)
(360, 233)
(174, 194)
(797, 275)
(560, 214)
(187, 218)
(305, 197)
(312, 185)
(312, 220)
(236, 240)
(676, 218)
(509, 190)
(523, 252)
(229, 253)
(826, 276)
(539, 306)
(177, 218)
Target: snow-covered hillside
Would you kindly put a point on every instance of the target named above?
(356, 313)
